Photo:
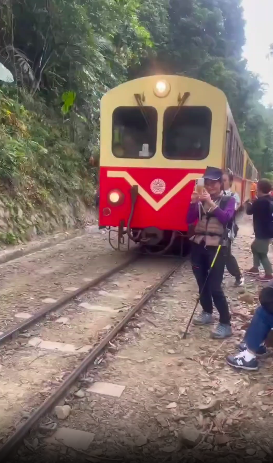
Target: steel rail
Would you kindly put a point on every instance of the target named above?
(13, 332)
(15, 439)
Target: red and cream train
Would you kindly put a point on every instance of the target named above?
(158, 135)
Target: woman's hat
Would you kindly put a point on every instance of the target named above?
(213, 173)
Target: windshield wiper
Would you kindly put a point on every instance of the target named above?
(181, 101)
(139, 100)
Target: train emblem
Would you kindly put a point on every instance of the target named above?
(158, 186)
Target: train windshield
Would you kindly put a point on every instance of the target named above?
(186, 132)
(134, 132)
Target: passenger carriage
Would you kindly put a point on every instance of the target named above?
(158, 135)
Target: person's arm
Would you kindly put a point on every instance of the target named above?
(193, 213)
(224, 216)
(237, 200)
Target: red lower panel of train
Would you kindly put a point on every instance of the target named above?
(162, 200)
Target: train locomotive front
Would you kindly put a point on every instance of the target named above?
(158, 135)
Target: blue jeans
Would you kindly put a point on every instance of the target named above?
(259, 329)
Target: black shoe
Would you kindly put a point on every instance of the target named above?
(261, 351)
(239, 282)
(239, 362)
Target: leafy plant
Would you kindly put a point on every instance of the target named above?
(68, 99)
(64, 55)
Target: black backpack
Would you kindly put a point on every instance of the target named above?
(271, 219)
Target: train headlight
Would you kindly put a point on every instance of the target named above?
(162, 88)
(116, 197)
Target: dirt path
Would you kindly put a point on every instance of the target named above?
(180, 402)
(26, 282)
(40, 358)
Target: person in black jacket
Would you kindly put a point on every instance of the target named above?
(262, 211)
(259, 328)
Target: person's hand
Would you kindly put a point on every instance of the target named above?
(206, 197)
(194, 197)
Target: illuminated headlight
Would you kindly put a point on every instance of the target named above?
(116, 197)
(162, 88)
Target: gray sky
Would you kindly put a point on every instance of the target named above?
(259, 35)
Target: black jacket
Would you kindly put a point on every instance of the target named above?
(266, 297)
(261, 209)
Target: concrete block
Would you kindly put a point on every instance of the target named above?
(114, 390)
(96, 308)
(60, 346)
(49, 345)
(34, 342)
(73, 438)
(23, 315)
(62, 320)
(85, 349)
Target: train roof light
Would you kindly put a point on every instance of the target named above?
(162, 88)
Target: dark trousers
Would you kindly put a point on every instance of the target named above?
(202, 258)
(232, 264)
(259, 250)
(259, 328)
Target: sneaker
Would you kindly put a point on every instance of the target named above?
(239, 361)
(253, 271)
(266, 278)
(203, 319)
(239, 282)
(261, 351)
(222, 331)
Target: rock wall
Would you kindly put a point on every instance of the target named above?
(20, 221)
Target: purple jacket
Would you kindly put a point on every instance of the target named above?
(223, 216)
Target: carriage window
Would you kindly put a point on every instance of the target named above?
(230, 148)
(248, 171)
(186, 132)
(134, 132)
(234, 153)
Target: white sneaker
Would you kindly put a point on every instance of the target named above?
(240, 282)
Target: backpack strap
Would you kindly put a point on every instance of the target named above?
(224, 201)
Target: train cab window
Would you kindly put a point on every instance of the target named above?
(134, 132)
(186, 132)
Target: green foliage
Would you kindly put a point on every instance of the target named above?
(68, 99)
(204, 39)
(64, 55)
(37, 156)
(8, 238)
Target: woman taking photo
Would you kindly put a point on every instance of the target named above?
(213, 211)
(231, 262)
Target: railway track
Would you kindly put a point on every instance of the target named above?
(14, 331)
(16, 438)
